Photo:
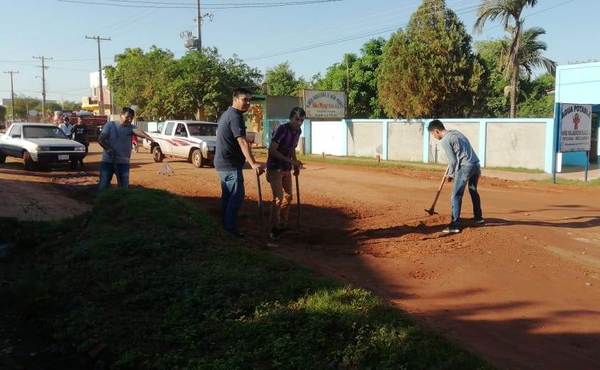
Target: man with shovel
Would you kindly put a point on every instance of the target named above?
(463, 169)
(115, 139)
(232, 151)
(282, 157)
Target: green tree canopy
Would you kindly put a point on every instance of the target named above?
(199, 84)
(357, 75)
(429, 69)
(281, 81)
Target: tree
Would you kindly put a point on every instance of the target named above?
(3, 111)
(281, 81)
(197, 85)
(357, 76)
(535, 99)
(429, 69)
(71, 106)
(531, 53)
(495, 102)
(208, 81)
(509, 12)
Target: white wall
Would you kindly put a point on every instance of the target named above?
(328, 137)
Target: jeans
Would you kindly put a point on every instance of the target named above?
(281, 186)
(466, 175)
(107, 169)
(232, 188)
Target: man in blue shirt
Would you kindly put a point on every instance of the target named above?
(231, 152)
(463, 168)
(116, 141)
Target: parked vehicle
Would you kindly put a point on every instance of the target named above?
(39, 143)
(192, 140)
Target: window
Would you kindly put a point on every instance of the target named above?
(202, 129)
(169, 129)
(180, 130)
(43, 132)
(16, 131)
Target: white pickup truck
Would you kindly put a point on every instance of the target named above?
(192, 140)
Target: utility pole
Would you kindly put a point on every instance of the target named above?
(199, 46)
(12, 92)
(98, 39)
(44, 67)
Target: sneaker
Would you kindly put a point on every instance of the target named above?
(275, 233)
(451, 229)
(479, 221)
(236, 234)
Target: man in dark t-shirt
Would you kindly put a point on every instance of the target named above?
(282, 158)
(232, 151)
(80, 134)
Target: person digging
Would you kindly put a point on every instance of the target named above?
(463, 169)
(281, 160)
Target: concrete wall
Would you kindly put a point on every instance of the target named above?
(365, 139)
(526, 143)
(405, 141)
(328, 137)
(468, 128)
(516, 145)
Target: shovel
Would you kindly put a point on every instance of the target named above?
(297, 201)
(260, 203)
(431, 211)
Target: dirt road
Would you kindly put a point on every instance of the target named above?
(523, 291)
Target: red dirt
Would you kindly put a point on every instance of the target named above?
(522, 291)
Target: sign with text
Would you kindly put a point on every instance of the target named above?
(324, 104)
(575, 131)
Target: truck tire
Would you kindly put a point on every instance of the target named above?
(27, 161)
(157, 154)
(197, 159)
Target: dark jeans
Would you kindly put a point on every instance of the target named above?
(108, 169)
(466, 175)
(232, 187)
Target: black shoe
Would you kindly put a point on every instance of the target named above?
(236, 234)
(451, 229)
(275, 233)
(479, 221)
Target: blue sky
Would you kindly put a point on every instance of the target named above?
(57, 29)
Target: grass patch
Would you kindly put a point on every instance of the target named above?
(148, 282)
(372, 162)
(561, 181)
(516, 169)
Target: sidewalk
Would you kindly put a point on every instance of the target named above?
(569, 173)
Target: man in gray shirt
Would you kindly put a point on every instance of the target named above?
(116, 141)
(463, 168)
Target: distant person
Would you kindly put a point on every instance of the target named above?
(232, 151)
(67, 127)
(115, 138)
(80, 134)
(282, 157)
(463, 168)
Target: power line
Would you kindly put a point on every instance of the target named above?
(358, 36)
(159, 5)
(12, 92)
(98, 39)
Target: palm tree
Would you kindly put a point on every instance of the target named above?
(530, 52)
(509, 12)
(530, 55)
